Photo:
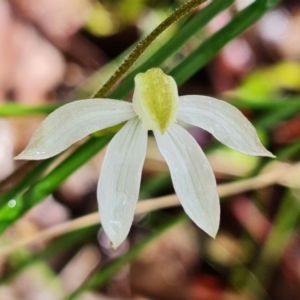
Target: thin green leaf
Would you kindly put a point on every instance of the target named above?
(209, 48)
(13, 210)
(28, 179)
(16, 109)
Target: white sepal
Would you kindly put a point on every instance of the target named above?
(72, 122)
(120, 179)
(192, 176)
(223, 121)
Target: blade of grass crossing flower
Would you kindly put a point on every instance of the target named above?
(210, 47)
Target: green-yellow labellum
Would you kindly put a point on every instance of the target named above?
(155, 99)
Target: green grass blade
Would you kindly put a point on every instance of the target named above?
(9, 212)
(16, 109)
(29, 179)
(209, 48)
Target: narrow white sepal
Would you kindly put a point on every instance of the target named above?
(192, 176)
(120, 179)
(223, 121)
(72, 122)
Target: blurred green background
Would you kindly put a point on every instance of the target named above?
(51, 245)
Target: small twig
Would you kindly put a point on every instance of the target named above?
(262, 180)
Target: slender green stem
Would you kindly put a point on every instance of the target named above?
(144, 43)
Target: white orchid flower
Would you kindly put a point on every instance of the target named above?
(156, 106)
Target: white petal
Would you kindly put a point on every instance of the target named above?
(72, 122)
(192, 176)
(120, 179)
(222, 120)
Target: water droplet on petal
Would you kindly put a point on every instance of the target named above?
(122, 198)
(40, 152)
(12, 203)
(116, 223)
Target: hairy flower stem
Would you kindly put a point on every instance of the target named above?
(144, 43)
